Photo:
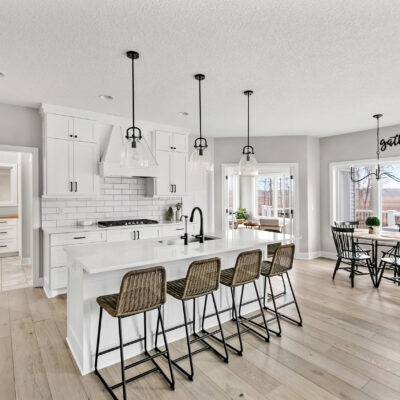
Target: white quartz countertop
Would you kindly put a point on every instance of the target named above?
(105, 257)
(89, 228)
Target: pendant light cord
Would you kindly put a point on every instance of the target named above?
(377, 139)
(200, 106)
(248, 119)
(133, 92)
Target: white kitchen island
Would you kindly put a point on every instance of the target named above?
(97, 269)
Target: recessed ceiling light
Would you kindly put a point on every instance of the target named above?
(183, 113)
(106, 97)
(2, 75)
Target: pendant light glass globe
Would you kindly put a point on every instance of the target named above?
(248, 165)
(201, 162)
(139, 156)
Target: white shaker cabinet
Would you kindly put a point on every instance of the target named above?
(65, 127)
(71, 156)
(171, 155)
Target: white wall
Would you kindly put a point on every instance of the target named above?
(348, 147)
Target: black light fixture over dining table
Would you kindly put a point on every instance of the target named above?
(378, 171)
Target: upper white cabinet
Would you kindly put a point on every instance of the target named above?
(171, 155)
(70, 128)
(168, 141)
(71, 156)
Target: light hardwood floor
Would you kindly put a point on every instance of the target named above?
(348, 348)
(14, 275)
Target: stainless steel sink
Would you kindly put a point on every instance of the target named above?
(178, 241)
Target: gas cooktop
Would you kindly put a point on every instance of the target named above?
(126, 222)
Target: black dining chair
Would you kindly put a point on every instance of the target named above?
(349, 252)
(347, 224)
(390, 261)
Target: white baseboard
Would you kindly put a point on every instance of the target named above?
(308, 256)
(329, 254)
(26, 261)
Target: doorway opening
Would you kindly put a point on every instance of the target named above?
(266, 202)
(19, 218)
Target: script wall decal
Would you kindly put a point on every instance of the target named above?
(392, 141)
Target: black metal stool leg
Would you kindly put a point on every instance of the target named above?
(98, 341)
(236, 319)
(121, 349)
(172, 380)
(226, 359)
(279, 332)
(300, 322)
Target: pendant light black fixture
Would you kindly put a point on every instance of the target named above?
(200, 158)
(248, 164)
(136, 152)
(378, 174)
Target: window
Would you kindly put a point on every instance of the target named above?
(273, 192)
(265, 194)
(369, 197)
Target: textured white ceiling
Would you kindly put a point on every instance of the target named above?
(317, 67)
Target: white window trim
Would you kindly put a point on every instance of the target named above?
(333, 196)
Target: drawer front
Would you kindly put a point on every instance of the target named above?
(58, 278)
(8, 222)
(173, 230)
(120, 235)
(8, 232)
(7, 246)
(77, 238)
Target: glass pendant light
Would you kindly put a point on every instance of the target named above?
(248, 164)
(200, 159)
(135, 152)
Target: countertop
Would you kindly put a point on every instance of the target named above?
(105, 257)
(73, 229)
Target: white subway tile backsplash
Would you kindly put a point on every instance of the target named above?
(118, 198)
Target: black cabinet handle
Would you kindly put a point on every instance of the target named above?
(71, 135)
(76, 186)
(3, 233)
(134, 235)
(71, 187)
(4, 245)
(180, 229)
(138, 235)
(80, 237)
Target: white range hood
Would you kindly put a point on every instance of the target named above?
(110, 164)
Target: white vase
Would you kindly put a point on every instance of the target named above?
(178, 214)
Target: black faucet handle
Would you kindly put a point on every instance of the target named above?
(183, 216)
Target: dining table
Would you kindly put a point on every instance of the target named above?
(376, 240)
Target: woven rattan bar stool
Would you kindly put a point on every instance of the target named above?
(247, 270)
(280, 265)
(202, 279)
(141, 291)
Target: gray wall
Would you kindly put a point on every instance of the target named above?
(348, 147)
(282, 149)
(22, 126)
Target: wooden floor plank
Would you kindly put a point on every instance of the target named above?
(7, 384)
(30, 375)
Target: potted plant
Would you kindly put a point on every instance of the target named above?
(178, 212)
(373, 224)
(241, 215)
